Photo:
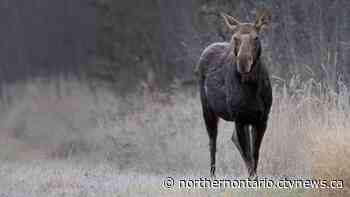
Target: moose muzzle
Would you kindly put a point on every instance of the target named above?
(244, 63)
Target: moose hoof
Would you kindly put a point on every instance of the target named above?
(253, 176)
(212, 172)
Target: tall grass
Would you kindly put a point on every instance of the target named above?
(153, 133)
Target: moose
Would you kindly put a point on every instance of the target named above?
(235, 86)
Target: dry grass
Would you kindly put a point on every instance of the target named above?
(88, 145)
(329, 149)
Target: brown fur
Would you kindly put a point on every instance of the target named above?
(235, 86)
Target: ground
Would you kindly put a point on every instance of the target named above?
(74, 142)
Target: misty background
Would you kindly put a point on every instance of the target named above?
(45, 38)
(159, 41)
(125, 43)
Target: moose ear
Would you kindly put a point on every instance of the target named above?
(263, 18)
(230, 21)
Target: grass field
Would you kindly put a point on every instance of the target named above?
(60, 139)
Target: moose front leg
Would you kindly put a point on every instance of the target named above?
(258, 132)
(243, 142)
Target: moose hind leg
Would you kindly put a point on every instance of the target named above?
(211, 123)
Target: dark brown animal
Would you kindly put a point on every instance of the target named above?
(235, 86)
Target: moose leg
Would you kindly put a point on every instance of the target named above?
(242, 140)
(258, 132)
(211, 123)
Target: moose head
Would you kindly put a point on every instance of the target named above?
(245, 41)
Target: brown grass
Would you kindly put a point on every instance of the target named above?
(154, 135)
(330, 151)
